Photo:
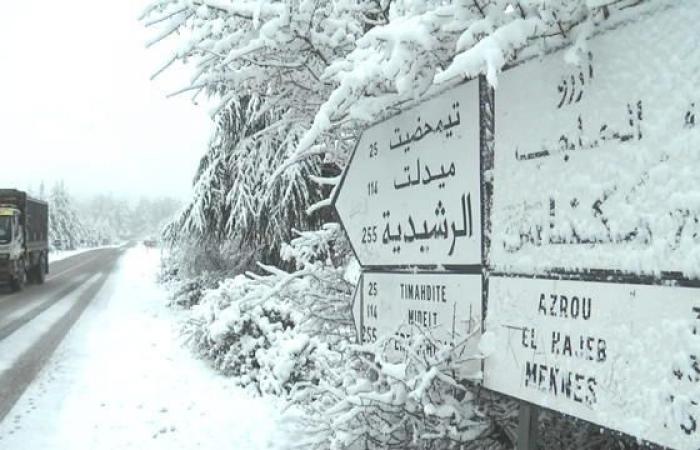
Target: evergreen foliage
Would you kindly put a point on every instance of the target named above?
(234, 199)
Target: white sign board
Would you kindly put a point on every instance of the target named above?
(596, 165)
(444, 307)
(622, 356)
(411, 193)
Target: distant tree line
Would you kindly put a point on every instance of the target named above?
(102, 219)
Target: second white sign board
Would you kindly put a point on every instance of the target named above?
(622, 356)
(446, 308)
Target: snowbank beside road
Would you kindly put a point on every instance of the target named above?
(121, 380)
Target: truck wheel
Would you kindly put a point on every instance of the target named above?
(20, 277)
(40, 271)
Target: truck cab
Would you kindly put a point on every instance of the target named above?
(11, 247)
(10, 232)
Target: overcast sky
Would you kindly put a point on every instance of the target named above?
(77, 103)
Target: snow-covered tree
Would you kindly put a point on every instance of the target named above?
(111, 218)
(264, 62)
(66, 230)
(233, 199)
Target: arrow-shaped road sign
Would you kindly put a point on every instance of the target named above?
(411, 192)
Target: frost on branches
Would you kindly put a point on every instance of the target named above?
(378, 402)
(279, 330)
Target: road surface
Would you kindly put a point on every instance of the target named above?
(121, 378)
(34, 321)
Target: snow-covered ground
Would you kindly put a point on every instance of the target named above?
(121, 379)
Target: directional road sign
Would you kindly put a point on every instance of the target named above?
(411, 193)
(445, 307)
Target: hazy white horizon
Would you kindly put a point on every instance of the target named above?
(78, 104)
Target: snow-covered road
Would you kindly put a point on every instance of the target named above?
(121, 379)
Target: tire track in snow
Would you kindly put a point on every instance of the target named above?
(14, 320)
(12, 298)
(17, 310)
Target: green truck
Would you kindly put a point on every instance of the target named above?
(24, 239)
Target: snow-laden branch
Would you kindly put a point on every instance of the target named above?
(490, 54)
(253, 10)
(326, 181)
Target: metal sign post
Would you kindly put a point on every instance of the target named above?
(527, 426)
